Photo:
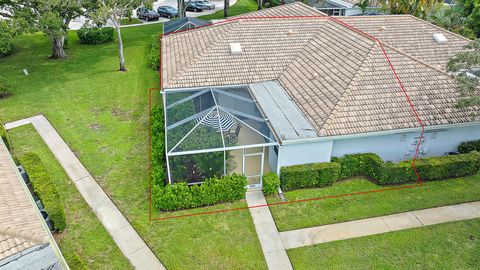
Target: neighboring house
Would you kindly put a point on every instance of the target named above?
(283, 91)
(342, 7)
(25, 241)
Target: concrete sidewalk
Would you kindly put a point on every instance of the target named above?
(377, 225)
(127, 239)
(272, 246)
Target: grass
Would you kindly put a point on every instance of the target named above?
(240, 7)
(126, 21)
(445, 246)
(328, 211)
(84, 237)
(102, 114)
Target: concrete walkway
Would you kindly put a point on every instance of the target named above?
(127, 239)
(377, 225)
(272, 246)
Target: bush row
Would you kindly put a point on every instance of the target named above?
(158, 147)
(467, 147)
(5, 88)
(271, 183)
(7, 34)
(212, 191)
(154, 53)
(372, 166)
(309, 175)
(44, 188)
(4, 135)
(95, 35)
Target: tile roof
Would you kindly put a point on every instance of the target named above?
(20, 223)
(339, 78)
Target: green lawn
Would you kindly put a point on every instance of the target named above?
(327, 211)
(240, 7)
(84, 235)
(102, 114)
(126, 21)
(445, 246)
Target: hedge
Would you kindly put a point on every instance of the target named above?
(95, 35)
(270, 183)
(309, 175)
(432, 168)
(44, 188)
(154, 53)
(466, 147)
(158, 147)
(4, 135)
(212, 191)
(364, 164)
(5, 88)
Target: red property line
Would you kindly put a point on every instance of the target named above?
(397, 78)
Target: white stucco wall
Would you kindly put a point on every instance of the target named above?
(303, 153)
(401, 146)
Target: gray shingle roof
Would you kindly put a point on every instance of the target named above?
(339, 78)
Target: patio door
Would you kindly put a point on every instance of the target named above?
(253, 159)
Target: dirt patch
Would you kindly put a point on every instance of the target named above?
(122, 114)
(95, 127)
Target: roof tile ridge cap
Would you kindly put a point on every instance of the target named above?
(23, 234)
(295, 58)
(415, 59)
(440, 28)
(198, 56)
(348, 90)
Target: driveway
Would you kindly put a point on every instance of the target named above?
(77, 23)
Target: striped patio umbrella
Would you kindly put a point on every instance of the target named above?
(226, 121)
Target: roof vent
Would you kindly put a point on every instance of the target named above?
(440, 38)
(382, 28)
(235, 48)
(290, 32)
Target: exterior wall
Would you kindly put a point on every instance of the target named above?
(272, 158)
(303, 153)
(401, 146)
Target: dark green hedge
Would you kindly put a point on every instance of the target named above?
(4, 135)
(158, 147)
(5, 88)
(365, 164)
(466, 147)
(154, 52)
(309, 175)
(432, 168)
(212, 191)
(270, 183)
(44, 188)
(95, 35)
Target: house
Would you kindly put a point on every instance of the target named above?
(267, 90)
(25, 240)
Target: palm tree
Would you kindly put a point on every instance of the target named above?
(363, 5)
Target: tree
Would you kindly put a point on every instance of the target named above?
(464, 66)
(259, 2)
(226, 6)
(471, 11)
(182, 8)
(52, 17)
(363, 5)
(417, 8)
(101, 11)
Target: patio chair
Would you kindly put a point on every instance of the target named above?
(233, 135)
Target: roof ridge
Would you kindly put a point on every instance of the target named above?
(12, 231)
(202, 54)
(348, 89)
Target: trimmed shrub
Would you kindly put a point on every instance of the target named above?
(467, 147)
(212, 191)
(432, 168)
(309, 175)
(4, 135)
(270, 183)
(95, 35)
(158, 147)
(364, 164)
(5, 88)
(44, 188)
(7, 33)
(154, 53)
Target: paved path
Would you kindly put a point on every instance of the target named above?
(377, 225)
(272, 246)
(127, 239)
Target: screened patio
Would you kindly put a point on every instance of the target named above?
(215, 131)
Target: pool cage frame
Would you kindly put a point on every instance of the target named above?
(270, 142)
